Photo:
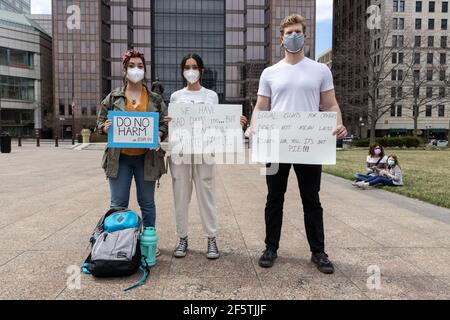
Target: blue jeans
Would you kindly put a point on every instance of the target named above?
(373, 181)
(362, 177)
(130, 166)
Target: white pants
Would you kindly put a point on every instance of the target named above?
(183, 177)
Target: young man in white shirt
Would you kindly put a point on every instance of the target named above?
(297, 84)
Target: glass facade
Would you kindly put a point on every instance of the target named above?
(15, 88)
(78, 64)
(183, 27)
(237, 39)
(18, 6)
(16, 58)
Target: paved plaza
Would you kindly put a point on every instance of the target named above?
(51, 198)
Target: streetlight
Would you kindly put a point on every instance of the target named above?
(361, 124)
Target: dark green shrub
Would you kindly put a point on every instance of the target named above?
(403, 141)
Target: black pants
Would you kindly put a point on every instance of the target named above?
(309, 178)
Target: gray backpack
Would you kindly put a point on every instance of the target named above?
(115, 245)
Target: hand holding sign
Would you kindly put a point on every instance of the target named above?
(134, 130)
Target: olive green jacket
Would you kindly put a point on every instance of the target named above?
(154, 165)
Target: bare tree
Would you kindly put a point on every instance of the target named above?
(364, 78)
(424, 90)
(382, 94)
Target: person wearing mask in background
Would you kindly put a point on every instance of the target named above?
(196, 172)
(144, 165)
(391, 177)
(376, 161)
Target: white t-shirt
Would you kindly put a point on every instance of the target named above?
(187, 96)
(296, 88)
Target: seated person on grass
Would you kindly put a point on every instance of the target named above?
(391, 177)
(376, 161)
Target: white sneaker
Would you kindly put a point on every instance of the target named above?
(364, 185)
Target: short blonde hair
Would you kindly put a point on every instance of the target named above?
(292, 20)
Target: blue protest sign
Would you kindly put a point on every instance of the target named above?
(133, 130)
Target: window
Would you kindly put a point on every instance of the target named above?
(418, 6)
(445, 6)
(400, 92)
(400, 57)
(417, 41)
(394, 41)
(394, 75)
(16, 88)
(417, 92)
(441, 111)
(444, 42)
(398, 23)
(442, 75)
(399, 111)
(430, 24)
(430, 41)
(402, 6)
(429, 92)
(394, 58)
(428, 111)
(400, 75)
(418, 24)
(431, 6)
(444, 24)
(395, 5)
(430, 75)
(417, 75)
(430, 58)
(417, 58)
(443, 58)
(16, 58)
(62, 109)
(393, 110)
(442, 92)
(393, 92)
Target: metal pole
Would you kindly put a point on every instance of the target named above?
(0, 111)
(73, 95)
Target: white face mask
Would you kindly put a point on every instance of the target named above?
(192, 76)
(135, 75)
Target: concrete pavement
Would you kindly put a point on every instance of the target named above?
(51, 199)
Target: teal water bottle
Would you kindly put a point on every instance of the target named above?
(149, 241)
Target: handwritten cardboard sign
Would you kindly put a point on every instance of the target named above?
(133, 130)
(205, 129)
(300, 137)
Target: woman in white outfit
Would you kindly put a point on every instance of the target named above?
(202, 174)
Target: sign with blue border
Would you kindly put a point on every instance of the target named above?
(133, 130)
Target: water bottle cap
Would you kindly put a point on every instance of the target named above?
(150, 230)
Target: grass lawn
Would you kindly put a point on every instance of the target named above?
(426, 173)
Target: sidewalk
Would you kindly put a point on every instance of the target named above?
(51, 199)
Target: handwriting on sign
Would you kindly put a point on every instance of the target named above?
(295, 137)
(198, 127)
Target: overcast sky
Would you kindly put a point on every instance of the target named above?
(324, 20)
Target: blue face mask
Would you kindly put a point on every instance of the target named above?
(294, 42)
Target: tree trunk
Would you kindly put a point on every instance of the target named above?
(373, 123)
(415, 131)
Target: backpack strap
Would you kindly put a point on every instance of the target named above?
(86, 264)
(146, 272)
